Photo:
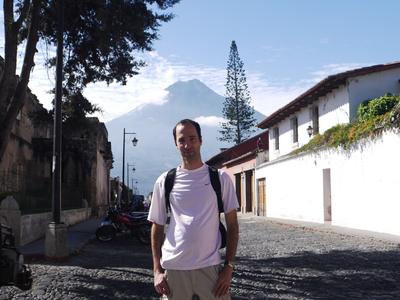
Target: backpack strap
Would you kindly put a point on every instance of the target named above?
(169, 184)
(216, 184)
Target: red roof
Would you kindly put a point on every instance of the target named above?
(245, 149)
(320, 89)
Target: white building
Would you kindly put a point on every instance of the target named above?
(356, 188)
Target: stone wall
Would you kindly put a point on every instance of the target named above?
(28, 228)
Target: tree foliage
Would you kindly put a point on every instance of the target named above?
(101, 43)
(237, 110)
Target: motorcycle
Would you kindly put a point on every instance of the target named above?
(116, 222)
(12, 268)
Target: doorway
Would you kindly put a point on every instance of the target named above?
(238, 185)
(261, 211)
(249, 190)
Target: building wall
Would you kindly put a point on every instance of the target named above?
(333, 109)
(26, 167)
(364, 186)
(293, 189)
(337, 107)
(373, 85)
(241, 168)
(19, 149)
(102, 181)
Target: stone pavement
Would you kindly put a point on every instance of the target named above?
(276, 260)
(77, 236)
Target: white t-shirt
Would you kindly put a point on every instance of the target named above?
(192, 239)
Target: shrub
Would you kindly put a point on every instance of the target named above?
(375, 107)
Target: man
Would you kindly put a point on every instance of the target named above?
(190, 251)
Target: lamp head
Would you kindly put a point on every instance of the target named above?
(309, 130)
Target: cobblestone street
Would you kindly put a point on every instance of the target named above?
(274, 261)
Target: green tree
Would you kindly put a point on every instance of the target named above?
(238, 113)
(101, 41)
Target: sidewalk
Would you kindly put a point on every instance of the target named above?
(78, 236)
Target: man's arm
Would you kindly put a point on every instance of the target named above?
(232, 235)
(225, 277)
(157, 238)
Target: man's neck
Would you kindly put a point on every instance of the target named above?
(191, 165)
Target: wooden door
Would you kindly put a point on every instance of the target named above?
(261, 211)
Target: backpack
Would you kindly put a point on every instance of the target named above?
(216, 184)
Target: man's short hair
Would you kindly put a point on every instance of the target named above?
(188, 121)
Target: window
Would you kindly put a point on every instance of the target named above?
(315, 119)
(276, 137)
(295, 129)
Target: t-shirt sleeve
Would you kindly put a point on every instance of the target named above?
(229, 197)
(157, 210)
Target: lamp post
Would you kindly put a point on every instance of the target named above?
(134, 143)
(134, 186)
(127, 174)
(56, 233)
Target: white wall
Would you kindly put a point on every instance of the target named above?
(364, 185)
(373, 85)
(293, 189)
(333, 109)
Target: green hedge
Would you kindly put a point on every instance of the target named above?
(372, 108)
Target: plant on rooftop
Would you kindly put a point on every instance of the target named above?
(375, 107)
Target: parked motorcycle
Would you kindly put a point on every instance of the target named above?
(119, 222)
(12, 268)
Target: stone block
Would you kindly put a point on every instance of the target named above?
(56, 242)
(10, 215)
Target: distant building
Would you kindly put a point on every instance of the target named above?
(239, 162)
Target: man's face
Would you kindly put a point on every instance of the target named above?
(188, 141)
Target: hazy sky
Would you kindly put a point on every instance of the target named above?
(286, 46)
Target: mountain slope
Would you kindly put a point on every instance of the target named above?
(153, 124)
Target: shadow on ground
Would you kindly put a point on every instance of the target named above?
(339, 274)
(123, 270)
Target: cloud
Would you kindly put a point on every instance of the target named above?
(332, 69)
(211, 121)
(324, 41)
(149, 86)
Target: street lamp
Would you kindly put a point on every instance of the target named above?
(134, 186)
(133, 170)
(134, 143)
(56, 244)
(310, 130)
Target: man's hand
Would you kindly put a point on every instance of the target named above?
(223, 282)
(157, 237)
(160, 283)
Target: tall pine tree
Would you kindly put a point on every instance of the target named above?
(238, 113)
